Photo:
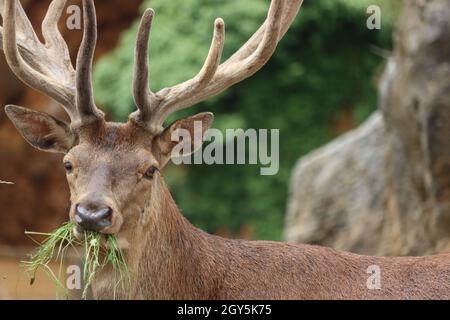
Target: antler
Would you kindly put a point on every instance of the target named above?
(154, 108)
(47, 67)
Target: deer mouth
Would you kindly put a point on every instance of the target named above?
(78, 232)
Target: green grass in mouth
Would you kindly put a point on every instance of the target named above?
(96, 251)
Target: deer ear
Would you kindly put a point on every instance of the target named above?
(41, 130)
(183, 137)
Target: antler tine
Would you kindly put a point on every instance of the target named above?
(23, 24)
(144, 98)
(50, 31)
(193, 86)
(28, 58)
(267, 46)
(85, 94)
(211, 63)
(245, 62)
(14, 59)
(290, 10)
(151, 106)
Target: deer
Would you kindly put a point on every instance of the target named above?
(116, 185)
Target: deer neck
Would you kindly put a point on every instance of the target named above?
(167, 256)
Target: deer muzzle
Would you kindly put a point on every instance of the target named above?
(94, 218)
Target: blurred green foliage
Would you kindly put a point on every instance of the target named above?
(323, 69)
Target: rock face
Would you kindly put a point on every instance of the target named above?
(384, 188)
(39, 198)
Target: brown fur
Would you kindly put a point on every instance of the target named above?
(168, 257)
(171, 259)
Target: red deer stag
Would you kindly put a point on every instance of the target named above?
(114, 174)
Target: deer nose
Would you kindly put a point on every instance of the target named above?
(93, 218)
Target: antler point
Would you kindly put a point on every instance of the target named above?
(149, 12)
(219, 23)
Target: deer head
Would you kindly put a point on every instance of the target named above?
(114, 169)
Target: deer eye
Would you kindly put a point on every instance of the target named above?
(150, 172)
(68, 166)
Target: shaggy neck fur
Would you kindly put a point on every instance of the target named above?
(166, 255)
(170, 259)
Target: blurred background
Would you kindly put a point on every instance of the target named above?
(376, 189)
